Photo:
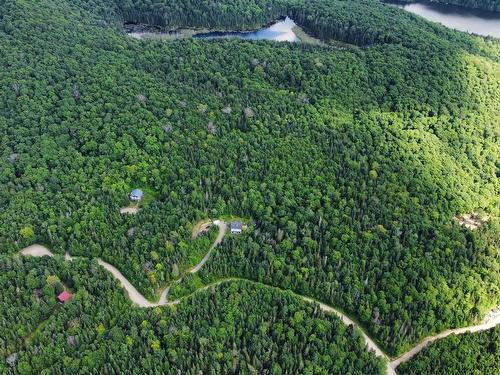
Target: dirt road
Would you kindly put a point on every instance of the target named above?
(492, 320)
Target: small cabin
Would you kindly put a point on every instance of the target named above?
(136, 195)
(236, 227)
(64, 296)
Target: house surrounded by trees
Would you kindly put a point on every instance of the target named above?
(64, 296)
(236, 227)
(136, 195)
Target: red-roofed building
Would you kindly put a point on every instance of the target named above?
(64, 296)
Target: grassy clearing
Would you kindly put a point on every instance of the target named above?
(306, 38)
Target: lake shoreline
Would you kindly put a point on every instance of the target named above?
(477, 22)
(139, 27)
(283, 29)
(461, 7)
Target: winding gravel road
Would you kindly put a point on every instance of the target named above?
(222, 232)
(492, 320)
(137, 298)
(134, 295)
(488, 323)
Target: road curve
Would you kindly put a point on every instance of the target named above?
(138, 299)
(491, 322)
(222, 232)
(371, 345)
(348, 321)
(135, 296)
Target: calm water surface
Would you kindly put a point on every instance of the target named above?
(459, 18)
(281, 31)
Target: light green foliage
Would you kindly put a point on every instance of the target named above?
(27, 232)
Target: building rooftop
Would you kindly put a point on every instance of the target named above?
(136, 195)
(137, 192)
(236, 225)
(64, 296)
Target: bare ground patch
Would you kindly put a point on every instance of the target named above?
(472, 221)
(131, 210)
(201, 227)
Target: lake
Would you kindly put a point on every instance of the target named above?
(463, 19)
(284, 30)
(280, 31)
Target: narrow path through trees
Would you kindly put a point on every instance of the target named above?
(492, 320)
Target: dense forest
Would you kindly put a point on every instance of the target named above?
(470, 353)
(492, 5)
(237, 328)
(352, 163)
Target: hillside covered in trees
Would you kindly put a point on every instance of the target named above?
(351, 162)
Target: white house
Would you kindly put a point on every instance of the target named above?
(236, 227)
(136, 195)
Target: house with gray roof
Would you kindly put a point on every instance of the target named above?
(236, 227)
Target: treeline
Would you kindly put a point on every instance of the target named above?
(362, 23)
(235, 328)
(352, 22)
(469, 353)
(229, 15)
